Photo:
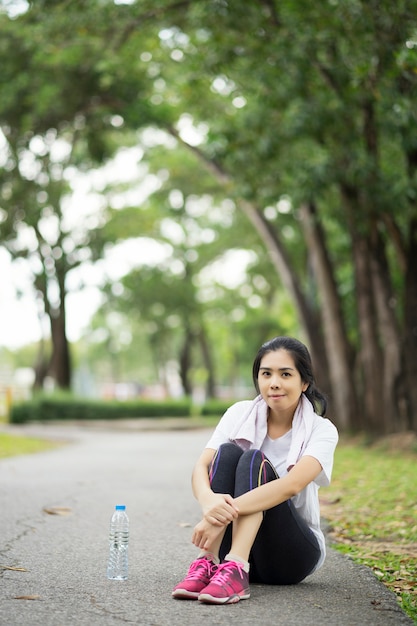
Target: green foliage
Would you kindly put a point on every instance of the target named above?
(301, 102)
(215, 407)
(46, 409)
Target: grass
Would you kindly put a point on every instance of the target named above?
(371, 506)
(13, 445)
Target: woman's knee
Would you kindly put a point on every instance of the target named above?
(254, 469)
(231, 449)
(223, 467)
(228, 454)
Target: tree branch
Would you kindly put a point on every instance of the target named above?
(267, 233)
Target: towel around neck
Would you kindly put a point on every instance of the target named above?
(252, 427)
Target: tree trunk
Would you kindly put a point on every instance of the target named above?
(59, 366)
(40, 367)
(410, 327)
(369, 378)
(208, 363)
(185, 363)
(393, 417)
(335, 336)
(370, 353)
(308, 317)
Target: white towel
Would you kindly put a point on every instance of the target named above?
(302, 426)
(251, 429)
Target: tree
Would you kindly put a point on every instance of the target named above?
(296, 103)
(51, 129)
(329, 87)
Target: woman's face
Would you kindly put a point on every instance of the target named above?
(280, 382)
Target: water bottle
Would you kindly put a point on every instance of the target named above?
(118, 543)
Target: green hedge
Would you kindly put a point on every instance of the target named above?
(216, 407)
(45, 409)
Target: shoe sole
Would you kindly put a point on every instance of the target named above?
(208, 599)
(183, 594)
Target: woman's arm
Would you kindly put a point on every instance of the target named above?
(218, 509)
(266, 496)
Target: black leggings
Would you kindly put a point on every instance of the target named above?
(285, 550)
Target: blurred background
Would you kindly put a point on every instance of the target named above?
(181, 181)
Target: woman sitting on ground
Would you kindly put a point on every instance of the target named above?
(257, 482)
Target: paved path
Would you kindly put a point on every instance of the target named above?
(64, 556)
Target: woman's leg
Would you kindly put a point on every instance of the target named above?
(222, 480)
(222, 473)
(283, 550)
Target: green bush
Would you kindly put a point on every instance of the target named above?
(62, 406)
(43, 409)
(24, 412)
(215, 407)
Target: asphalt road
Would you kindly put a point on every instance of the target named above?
(63, 556)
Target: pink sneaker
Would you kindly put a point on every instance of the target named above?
(229, 584)
(198, 577)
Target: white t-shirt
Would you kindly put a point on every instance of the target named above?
(321, 446)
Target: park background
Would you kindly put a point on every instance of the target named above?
(181, 181)
(196, 177)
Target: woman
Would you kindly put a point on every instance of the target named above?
(257, 483)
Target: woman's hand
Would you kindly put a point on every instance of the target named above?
(205, 534)
(220, 509)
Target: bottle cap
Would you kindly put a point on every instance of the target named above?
(120, 507)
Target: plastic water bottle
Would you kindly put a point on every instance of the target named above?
(117, 567)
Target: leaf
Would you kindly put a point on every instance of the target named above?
(13, 569)
(57, 510)
(27, 598)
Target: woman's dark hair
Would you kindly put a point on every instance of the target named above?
(302, 361)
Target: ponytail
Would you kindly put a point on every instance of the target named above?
(317, 399)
